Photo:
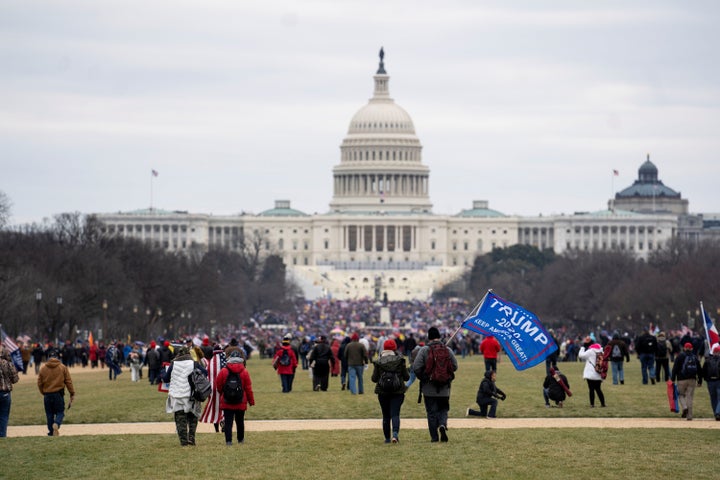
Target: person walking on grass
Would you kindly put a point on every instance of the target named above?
(235, 388)
(711, 374)
(53, 379)
(8, 376)
(357, 358)
(686, 373)
(618, 351)
(589, 354)
(180, 403)
(285, 363)
(436, 393)
(390, 373)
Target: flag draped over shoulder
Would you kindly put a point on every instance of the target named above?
(519, 331)
(712, 334)
(212, 412)
(13, 350)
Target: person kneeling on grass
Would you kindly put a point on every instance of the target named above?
(556, 388)
(488, 395)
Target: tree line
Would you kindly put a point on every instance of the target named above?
(61, 280)
(602, 289)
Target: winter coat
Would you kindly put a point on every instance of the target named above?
(248, 396)
(488, 389)
(356, 354)
(390, 361)
(285, 369)
(588, 355)
(54, 377)
(428, 389)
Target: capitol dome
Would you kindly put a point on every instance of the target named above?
(381, 166)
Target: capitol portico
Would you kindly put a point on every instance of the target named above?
(380, 234)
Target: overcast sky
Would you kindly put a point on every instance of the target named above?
(527, 104)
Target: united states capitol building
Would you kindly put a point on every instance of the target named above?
(381, 235)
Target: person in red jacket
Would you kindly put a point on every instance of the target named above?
(490, 348)
(285, 362)
(234, 409)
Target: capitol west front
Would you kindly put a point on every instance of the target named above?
(380, 231)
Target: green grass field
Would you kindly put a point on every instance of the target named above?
(471, 453)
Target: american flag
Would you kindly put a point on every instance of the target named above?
(12, 349)
(212, 412)
(710, 331)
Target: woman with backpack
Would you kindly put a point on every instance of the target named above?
(285, 363)
(591, 354)
(390, 373)
(233, 382)
(180, 401)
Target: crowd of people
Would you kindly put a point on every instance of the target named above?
(344, 338)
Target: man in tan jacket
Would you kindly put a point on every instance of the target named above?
(53, 378)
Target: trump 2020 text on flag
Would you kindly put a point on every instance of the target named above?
(519, 331)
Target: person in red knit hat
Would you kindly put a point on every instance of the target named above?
(390, 373)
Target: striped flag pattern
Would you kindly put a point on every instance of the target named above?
(12, 349)
(212, 412)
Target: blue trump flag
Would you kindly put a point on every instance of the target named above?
(519, 331)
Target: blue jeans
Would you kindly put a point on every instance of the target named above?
(356, 371)
(618, 373)
(390, 407)
(412, 378)
(647, 366)
(714, 390)
(286, 379)
(5, 401)
(54, 410)
(436, 409)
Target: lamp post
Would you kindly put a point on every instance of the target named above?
(38, 299)
(59, 302)
(104, 308)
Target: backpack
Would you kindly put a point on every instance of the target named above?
(284, 359)
(601, 365)
(616, 352)
(712, 367)
(233, 390)
(199, 385)
(662, 350)
(438, 365)
(690, 366)
(390, 382)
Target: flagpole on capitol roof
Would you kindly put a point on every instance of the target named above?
(471, 314)
(153, 174)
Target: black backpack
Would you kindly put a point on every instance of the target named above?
(662, 350)
(284, 358)
(390, 382)
(233, 390)
(616, 353)
(712, 367)
(690, 366)
(199, 385)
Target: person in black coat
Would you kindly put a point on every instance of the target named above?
(487, 396)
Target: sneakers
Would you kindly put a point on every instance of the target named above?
(547, 405)
(443, 433)
(395, 438)
(56, 430)
(684, 413)
(467, 413)
(560, 404)
(316, 388)
(229, 444)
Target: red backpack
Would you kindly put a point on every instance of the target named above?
(439, 369)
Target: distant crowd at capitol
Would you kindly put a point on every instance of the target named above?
(335, 320)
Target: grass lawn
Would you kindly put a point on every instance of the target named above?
(471, 453)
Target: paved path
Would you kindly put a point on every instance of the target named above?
(368, 424)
